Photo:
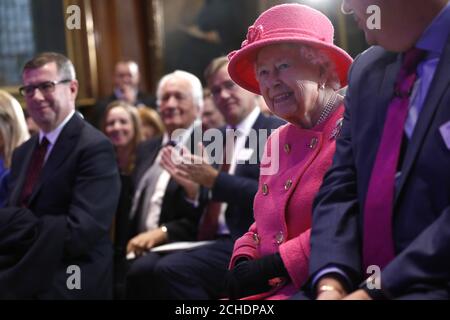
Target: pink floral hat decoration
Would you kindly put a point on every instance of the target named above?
(286, 23)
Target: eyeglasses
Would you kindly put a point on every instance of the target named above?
(46, 87)
(228, 85)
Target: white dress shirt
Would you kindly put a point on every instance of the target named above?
(53, 136)
(243, 129)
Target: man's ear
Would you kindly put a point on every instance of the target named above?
(74, 88)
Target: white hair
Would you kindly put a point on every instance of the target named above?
(196, 86)
(319, 58)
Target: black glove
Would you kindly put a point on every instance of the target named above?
(250, 277)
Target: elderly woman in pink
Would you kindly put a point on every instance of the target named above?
(289, 58)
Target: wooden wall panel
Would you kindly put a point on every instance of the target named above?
(121, 33)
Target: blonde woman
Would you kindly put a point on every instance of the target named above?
(152, 125)
(122, 125)
(13, 132)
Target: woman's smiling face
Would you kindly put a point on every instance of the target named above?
(288, 83)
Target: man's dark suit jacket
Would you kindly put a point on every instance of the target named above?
(421, 221)
(178, 215)
(80, 185)
(239, 189)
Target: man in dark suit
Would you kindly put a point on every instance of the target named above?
(126, 88)
(67, 174)
(200, 273)
(161, 211)
(384, 208)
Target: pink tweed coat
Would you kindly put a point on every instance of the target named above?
(283, 203)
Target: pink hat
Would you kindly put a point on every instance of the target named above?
(293, 23)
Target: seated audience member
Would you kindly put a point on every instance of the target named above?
(161, 211)
(211, 116)
(151, 123)
(63, 191)
(200, 273)
(121, 124)
(126, 88)
(381, 222)
(13, 132)
(298, 76)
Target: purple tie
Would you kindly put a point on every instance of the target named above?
(34, 171)
(378, 242)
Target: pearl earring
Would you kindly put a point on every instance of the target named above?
(343, 9)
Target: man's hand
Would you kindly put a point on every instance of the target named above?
(358, 295)
(195, 168)
(146, 240)
(181, 177)
(199, 169)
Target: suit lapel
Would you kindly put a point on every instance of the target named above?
(150, 157)
(23, 170)
(439, 86)
(64, 145)
(257, 125)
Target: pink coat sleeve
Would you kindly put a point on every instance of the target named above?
(245, 246)
(295, 255)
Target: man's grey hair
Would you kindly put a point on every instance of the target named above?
(64, 66)
(196, 86)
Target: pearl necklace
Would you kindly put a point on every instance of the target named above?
(329, 107)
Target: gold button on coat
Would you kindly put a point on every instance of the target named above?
(288, 185)
(256, 238)
(287, 148)
(279, 237)
(313, 143)
(265, 189)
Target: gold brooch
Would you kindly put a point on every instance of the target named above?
(337, 130)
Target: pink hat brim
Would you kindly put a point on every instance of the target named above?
(242, 62)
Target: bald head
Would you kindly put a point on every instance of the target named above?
(402, 21)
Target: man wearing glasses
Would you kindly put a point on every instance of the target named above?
(65, 184)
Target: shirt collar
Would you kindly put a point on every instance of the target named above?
(119, 94)
(52, 136)
(184, 136)
(436, 34)
(246, 125)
